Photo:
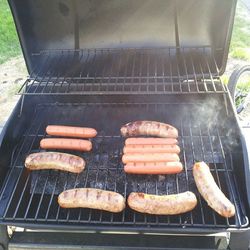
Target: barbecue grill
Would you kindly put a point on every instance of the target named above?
(102, 64)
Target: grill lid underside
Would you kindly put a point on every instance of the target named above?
(81, 24)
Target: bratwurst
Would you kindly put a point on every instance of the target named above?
(162, 204)
(149, 128)
(210, 191)
(55, 160)
(92, 198)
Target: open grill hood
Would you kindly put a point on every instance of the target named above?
(90, 24)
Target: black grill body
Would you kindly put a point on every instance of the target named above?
(83, 76)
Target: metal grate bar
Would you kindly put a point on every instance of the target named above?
(186, 72)
(216, 171)
(203, 77)
(231, 193)
(49, 75)
(13, 168)
(210, 74)
(185, 165)
(39, 69)
(36, 181)
(195, 77)
(28, 204)
(112, 71)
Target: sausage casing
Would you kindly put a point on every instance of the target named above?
(92, 198)
(162, 204)
(55, 160)
(70, 131)
(62, 143)
(151, 149)
(150, 157)
(149, 128)
(210, 191)
(153, 168)
(150, 141)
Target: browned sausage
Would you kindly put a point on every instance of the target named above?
(150, 128)
(71, 144)
(55, 160)
(69, 131)
(151, 149)
(210, 191)
(150, 141)
(149, 157)
(153, 168)
(162, 204)
(92, 198)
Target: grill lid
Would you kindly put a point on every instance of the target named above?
(80, 24)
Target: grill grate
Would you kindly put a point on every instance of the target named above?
(121, 71)
(32, 196)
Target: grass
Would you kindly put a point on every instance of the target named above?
(240, 43)
(9, 43)
(244, 83)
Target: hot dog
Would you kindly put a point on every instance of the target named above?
(150, 141)
(150, 128)
(150, 157)
(153, 168)
(151, 149)
(92, 198)
(69, 131)
(55, 160)
(162, 204)
(71, 144)
(210, 191)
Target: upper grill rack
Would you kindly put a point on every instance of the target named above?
(124, 71)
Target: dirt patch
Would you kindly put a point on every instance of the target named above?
(13, 74)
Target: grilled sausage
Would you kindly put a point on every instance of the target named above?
(162, 204)
(149, 157)
(69, 131)
(151, 149)
(150, 128)
(92, 198)
(71, 144)
(55, 160)
(153, 168)
(150, 141)
(210, 191)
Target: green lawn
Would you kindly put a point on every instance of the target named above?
(240, 43)
(9, 43)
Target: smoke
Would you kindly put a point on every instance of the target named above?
(217, 128)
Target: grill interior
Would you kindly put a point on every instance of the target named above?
(125, 71)
(32, 196)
